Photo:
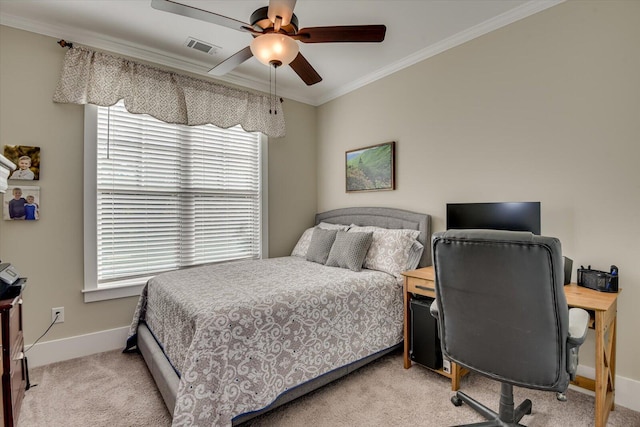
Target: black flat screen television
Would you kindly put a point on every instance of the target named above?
(514, 216)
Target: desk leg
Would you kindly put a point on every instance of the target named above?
(407, 326)
(455, 376)
(605, 365)
(612, 361)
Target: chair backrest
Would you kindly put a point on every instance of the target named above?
(502, 307)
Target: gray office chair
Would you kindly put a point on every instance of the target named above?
(502, 312)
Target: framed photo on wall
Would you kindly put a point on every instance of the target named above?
(21, 203)
(371, 168)
(27, 159)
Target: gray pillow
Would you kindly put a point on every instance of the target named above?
(320, 245)
(349, 250)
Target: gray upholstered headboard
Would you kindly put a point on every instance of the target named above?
(387, 218)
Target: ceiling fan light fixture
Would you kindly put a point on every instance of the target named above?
(274, 49)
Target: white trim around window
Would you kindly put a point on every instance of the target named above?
(131, 287)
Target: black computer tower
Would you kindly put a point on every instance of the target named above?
(425, 344)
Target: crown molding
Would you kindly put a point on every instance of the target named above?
(504, 19)
(133, 50)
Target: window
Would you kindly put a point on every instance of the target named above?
(159, 197)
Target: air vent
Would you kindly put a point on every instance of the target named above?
(205, 47)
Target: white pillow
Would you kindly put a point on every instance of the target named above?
(415, 254)
(329, 226)
(390, 249)
(301, 248)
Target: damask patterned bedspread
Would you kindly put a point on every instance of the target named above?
(242, 333)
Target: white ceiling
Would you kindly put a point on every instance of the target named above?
(416, 29)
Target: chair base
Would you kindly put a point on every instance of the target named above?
(508, 416)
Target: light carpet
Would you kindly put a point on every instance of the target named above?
(115, 389)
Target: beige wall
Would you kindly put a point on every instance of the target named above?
(50, 251)
(292, 179)
(546, 109)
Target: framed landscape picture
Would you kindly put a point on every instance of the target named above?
(371, 168)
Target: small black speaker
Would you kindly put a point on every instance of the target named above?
(568, 268)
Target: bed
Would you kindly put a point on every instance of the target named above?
(228, 342)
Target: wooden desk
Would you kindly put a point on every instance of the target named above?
(421, 282)
(602, 308)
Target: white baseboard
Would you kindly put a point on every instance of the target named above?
(627, 390)
(82, 345)
(48, 352)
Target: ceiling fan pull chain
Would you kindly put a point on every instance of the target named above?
(275, 90)
(270, 92)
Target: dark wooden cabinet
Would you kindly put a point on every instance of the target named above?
(14, 379)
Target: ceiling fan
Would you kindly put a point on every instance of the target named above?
(275, 31)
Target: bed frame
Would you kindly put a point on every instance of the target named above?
(166, 377)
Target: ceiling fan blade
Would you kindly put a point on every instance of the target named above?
(346, 34)
(281, 8)
(201, 14)
(231, 62)
(306, 72)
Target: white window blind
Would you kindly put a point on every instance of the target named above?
(171, 196)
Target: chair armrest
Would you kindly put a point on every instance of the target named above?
(433, 309)
(578, 326)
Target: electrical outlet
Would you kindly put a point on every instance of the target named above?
(57, 311)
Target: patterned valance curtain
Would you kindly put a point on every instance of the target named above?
(91, 77)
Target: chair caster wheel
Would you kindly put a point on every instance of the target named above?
(456, 401)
